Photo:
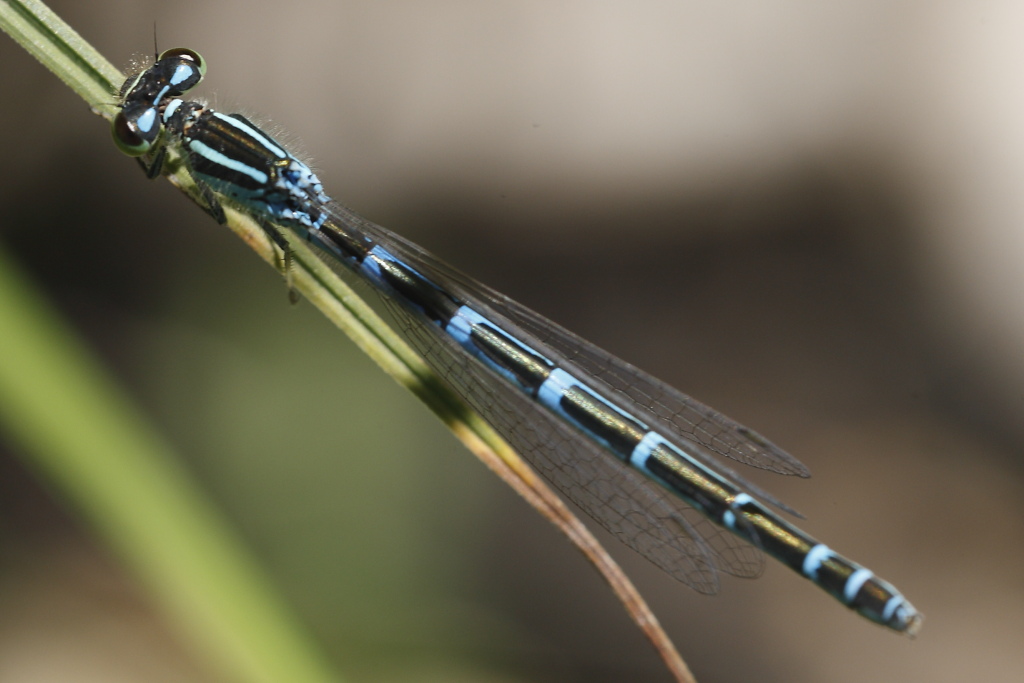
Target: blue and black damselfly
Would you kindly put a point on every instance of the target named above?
(641, 458)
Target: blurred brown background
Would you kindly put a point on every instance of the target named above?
(807, 215)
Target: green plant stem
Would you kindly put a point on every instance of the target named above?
(61, 50)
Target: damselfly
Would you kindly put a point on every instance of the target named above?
(641, 458)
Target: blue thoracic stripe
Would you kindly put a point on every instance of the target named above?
(255, 134)
(236, 160)
(572, 387)
(221, 159)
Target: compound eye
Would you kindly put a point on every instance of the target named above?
(186, 54)
(127, 137)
